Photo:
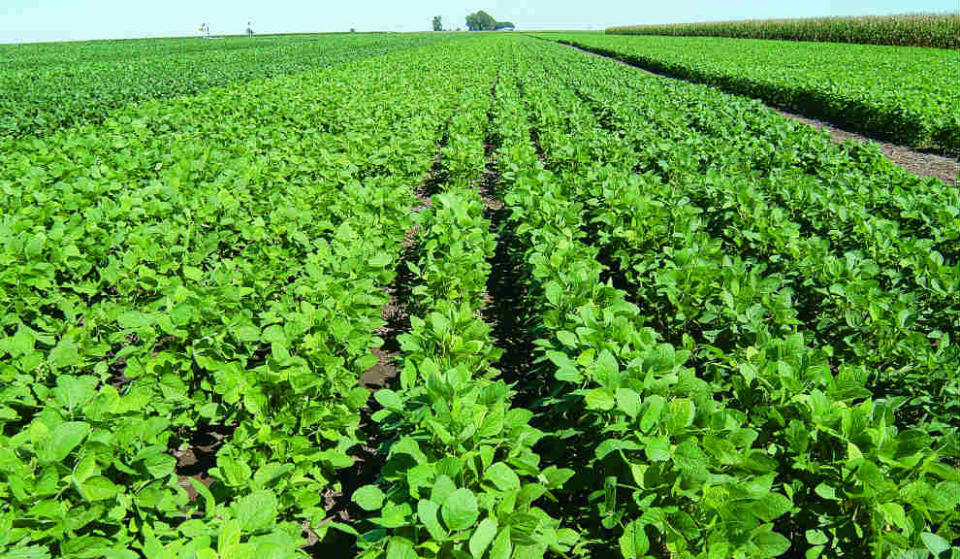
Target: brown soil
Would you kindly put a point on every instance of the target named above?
(920, 163)
(196, 456)
(394, 313)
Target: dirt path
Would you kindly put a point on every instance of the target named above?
(919, 163)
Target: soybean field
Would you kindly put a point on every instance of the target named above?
(466, 295)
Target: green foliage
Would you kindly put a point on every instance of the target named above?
(907, 95)
(743, 335)
(461, 477)
(194, 286)
(47, 86)
(776, 362)
(912, 30)
(481, 21)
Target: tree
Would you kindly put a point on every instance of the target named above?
(250, 28)
(437, 23)
(481, 21)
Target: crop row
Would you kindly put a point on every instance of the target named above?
(904, 94)
(186, 318)
(914, 30)
(45, 87)
(877, 288)
(460, 474)
(821, 415)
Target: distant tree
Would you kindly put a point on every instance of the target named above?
(481, 21)
(249, 29)
(353, 29)
(437, 23)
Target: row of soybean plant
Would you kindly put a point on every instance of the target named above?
(845, 434)
(173, 292)
(661, 463)
(461, 478)
(880, 291)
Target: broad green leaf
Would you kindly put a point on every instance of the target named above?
(99, 488)
(65, 354)
(651, 416)
(368, 497)
(628, 401)
(134, 319)
(771, 544)
(460, 510)
(427, 513)
(771, 507)
(256, 511)
(600, 399)
(634, 542)
(934, 543)
(64, 438)
(504, 478)
(401, 548)
(482, 537)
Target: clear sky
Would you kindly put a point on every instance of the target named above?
(60, 20)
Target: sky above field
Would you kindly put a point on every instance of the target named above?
(61, 20)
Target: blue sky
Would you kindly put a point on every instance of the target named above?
(57, 20)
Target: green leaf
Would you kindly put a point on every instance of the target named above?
(628, 401)
(771, 544)
(134, 319)
(209, 503)
(368, 497)
(600, 399)
(610, 445)
(568, 339)
(65, 354)
(482, 537)
(427, 513)
(460, 510)
(657, 449)
(99, 488)
(389, 399)
(357, 397)
(934, 543)
(247, 333)
(380, 260)
(772, 506)
(502, 477)
(229, 537)
(651, 416)
(680, 415)
(553, 292)
(825, 492)
(401, 548)
(256, 511)
(192, 273)
(64, 438)
(443, 486)
(634, 542)
(502, 546)
(160, 465)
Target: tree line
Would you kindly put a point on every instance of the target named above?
(477, 21)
